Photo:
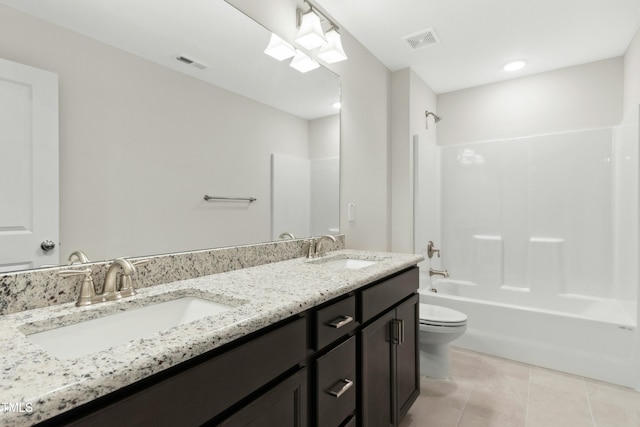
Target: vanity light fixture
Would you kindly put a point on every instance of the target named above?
(337, 105)
(303, 62)
(279, 49)
(332, 51)
(514, 66)
(310, 35)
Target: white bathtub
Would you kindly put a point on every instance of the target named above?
(589, 337)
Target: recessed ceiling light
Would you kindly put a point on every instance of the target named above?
(514, 66)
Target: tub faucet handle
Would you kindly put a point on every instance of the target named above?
(431, 250)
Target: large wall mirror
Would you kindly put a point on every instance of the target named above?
(143, 136)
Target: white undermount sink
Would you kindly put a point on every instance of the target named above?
(94, 335)
(340, 263)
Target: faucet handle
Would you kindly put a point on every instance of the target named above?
(87, 290)
(72, 273)
(311, 253)
(431, 250)
(140, 262)
(126, 282)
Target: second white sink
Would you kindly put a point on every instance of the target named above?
(342, 262)
(349, 263)
(92, 336)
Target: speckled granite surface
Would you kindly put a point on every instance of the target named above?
(26, 290)
(260, 296)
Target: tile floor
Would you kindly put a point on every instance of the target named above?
(487, 391)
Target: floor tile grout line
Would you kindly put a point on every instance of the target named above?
(526, 408)
(478, 359)
(586, 390)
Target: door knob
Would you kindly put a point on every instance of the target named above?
(47, 245)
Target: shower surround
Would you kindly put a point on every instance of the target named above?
(539, 235)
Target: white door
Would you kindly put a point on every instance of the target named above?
(28, 166)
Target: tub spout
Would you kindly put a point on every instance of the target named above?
(434, 272)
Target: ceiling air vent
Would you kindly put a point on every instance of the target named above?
(190, 61)
(422, 39)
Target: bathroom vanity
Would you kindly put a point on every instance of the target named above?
(309, 342)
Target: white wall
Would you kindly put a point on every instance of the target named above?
(324, 137)
(632, 80)
(414, 219)
(324, 155)
(401, 167)
(364, 130)
(140, 145)
(586, 96)
(631, 118)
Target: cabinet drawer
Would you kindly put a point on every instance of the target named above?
(283, 406)
(335, 321)
(336, 384)
(380, 297)
(196, 395)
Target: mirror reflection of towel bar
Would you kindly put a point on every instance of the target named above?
(233, 199)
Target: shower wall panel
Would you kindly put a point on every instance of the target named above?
(532, 214)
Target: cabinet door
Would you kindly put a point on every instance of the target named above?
(376, 374)
(283, 406)
(407, 374)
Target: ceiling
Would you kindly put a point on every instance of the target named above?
(478, 37)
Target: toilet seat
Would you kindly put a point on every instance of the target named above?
(435, 315)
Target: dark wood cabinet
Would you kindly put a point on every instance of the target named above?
(283, 406)
(336, 385)
(194, 394)
(390, 372)
(407, 359)
(375, 368)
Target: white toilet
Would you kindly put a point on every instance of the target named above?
(438, 327)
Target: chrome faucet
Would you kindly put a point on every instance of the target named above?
(314, 245)
(320, 240)
(78, 256)
(434, 272)
(110, 291)
(287, 234)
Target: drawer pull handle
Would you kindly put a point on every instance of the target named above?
(340, 322)
(340, 387)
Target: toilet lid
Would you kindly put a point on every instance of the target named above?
(441, 316)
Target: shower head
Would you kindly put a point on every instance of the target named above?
(436, 118)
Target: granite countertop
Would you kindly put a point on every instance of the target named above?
(40, 386)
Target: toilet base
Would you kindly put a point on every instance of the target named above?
(435, 361)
